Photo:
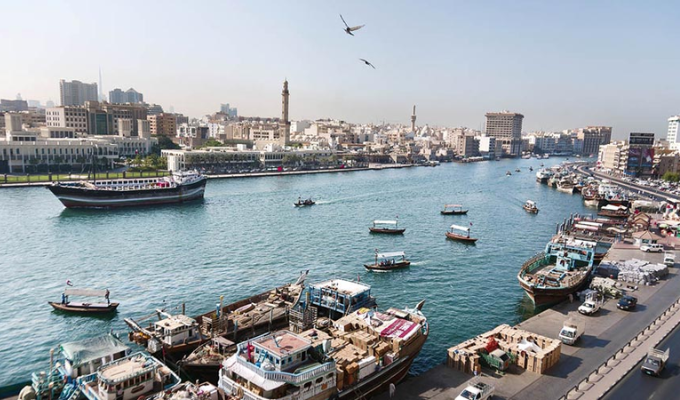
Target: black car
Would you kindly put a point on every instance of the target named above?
(627, 303)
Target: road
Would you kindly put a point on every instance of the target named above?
(637, 385)
(649, 191)
(594, 350)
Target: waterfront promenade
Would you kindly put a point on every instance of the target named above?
(605, 335)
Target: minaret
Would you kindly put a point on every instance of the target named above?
(284, 112)
(413, 120)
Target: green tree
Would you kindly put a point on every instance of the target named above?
(671, 177)
(164, 143)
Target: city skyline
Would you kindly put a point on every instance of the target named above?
(562, 66)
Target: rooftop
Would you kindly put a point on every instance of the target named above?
(176, 321)
(283, 343)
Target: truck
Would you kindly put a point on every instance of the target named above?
(591, 305)
(572, 329)
(476, 391)
(497, 359)
(669, 258)
(655, 361)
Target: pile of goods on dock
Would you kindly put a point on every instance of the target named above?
(530, 351)
(606, 287)
(633, 271)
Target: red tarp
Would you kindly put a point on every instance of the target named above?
(399, 328)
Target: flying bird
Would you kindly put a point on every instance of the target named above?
(347, 27)
(367, 63)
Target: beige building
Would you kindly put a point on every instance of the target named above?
(613, 156)
(163, 124)
(67, 117)
(506, 127)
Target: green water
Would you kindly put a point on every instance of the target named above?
(246, 237)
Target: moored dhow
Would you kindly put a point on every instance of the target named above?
(551, 276)
(356, 356)
(179, 187)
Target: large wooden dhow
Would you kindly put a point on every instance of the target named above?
(354, 357)
(175, 336)
(177, 188)
(551, 276)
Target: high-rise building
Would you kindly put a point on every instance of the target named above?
(672, 136)
(76, 93)
(640, 154)
(67, 117)
(592, 137)
(117, 96)
(506, 127)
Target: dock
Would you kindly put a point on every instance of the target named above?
(607, 334)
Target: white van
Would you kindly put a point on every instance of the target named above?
(652, 247)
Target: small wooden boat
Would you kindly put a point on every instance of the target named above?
(388, 261)
(518, 170)
(530, 207)
(454, 234)
(387, 227)
(453, 209)
(508, 173)
(304, 203)
(83, 307)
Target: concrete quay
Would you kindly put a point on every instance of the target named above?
(607, 334)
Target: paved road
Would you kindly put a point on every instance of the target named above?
(573, 369)
(637, 385)
(649, 191)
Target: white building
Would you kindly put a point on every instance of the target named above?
(672, 137)
(67, 117)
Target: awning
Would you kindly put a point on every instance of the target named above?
(85, 292)
(377, 221)
(611, 207)
(453, 205)
(84, 351)
(461, 228)
(392, 254)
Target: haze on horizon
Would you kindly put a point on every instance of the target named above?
(563, 65)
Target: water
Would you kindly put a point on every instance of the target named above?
(247, 237)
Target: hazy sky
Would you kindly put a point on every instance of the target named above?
(563, 64)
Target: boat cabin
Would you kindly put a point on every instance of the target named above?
(568, 257)
(132, 377)
(390, 258)
(177, 329)
(458, 228)
(339, 296)
(453, 209)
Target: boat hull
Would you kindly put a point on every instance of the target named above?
(83, 309)
(530, 210)
(454, 212)
(82, 197)
(378, 267)
(461, 238)
(545, 297)
(303, 204)
(387, 231)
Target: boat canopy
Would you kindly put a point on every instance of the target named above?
(596, 224)
(85, 292)
(392, 254)
(84, 351)
(460, 228)
(612, 207)
(453, 206)
(616, 230)
(530, 203)
(384, 222)
(586, 227)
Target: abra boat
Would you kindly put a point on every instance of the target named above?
(453, 209)
(388, 261)
(543, 175)
(83, 307)
(138, 376)
(388, 227)
(180, 187)
(454, 234)
(71, 360)
(304, 203)
(566, 185)
(508, 173)
(530, 207)
(562, 269)
(354, 357)
(614, 211)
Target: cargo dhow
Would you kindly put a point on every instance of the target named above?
(562, 269)
(179, 187)
(334, 349)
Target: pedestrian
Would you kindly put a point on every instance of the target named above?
(571, 297)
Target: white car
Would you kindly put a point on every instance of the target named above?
(652, 248)
(589, 307)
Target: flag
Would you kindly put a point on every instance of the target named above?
(68, 282)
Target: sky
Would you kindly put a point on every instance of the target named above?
(565, 64)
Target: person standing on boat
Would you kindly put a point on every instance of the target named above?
(106, 296)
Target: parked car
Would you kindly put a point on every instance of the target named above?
(652, 248)
(627, 303)
(589, 307)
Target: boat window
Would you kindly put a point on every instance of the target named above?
(318, 380)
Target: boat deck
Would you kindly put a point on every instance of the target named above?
(548, 276)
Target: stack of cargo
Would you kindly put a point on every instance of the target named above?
(633, 271)
(606, 286)
(532, 352)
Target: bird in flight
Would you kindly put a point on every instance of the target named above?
(367, 63)
(347, 27)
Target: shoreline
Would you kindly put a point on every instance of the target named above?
(374, 167)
